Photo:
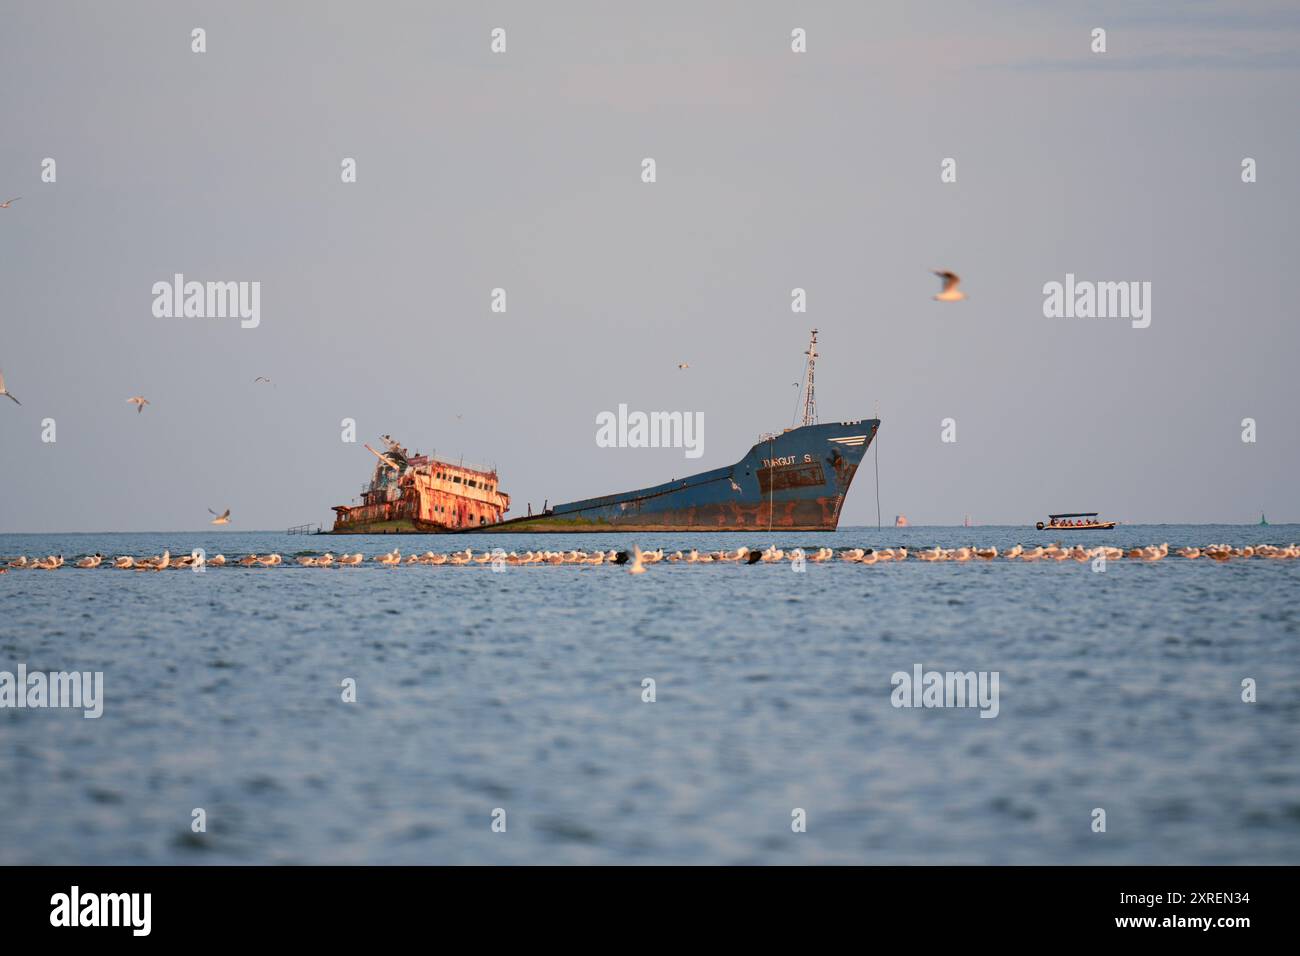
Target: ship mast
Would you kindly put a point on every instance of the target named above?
(809, 392)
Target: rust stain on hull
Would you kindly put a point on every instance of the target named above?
(420, 494)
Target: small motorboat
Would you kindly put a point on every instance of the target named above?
(1078, 521)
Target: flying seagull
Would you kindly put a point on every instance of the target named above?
(5, 391)
(684, 365)
(262, 378)
(223, 518)
(9, 202)
(139, 401)
(950, 291)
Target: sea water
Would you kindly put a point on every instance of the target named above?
(519, 696)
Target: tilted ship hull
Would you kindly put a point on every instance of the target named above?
(422, 495)
(794, 481)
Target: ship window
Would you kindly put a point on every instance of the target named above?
(457, 479)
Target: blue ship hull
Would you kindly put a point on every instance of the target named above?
(795, 481)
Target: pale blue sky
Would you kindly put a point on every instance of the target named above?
(775, 170)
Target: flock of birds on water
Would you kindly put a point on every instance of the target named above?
(635, 561)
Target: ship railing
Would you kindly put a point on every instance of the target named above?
(304, 529)
(467, 465)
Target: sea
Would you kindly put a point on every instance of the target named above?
(1146, 713)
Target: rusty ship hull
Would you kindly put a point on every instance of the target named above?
(422, 494)
(794, 481)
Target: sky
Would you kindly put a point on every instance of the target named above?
(522, 170)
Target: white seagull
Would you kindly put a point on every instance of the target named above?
(223, 518)
(950, 292)
(139, 401)
(9, 202)
(5, 391)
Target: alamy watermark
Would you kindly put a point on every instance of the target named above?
(1083, 299)
(75, 908)
(76, 689)
(208, 300)
(651, 430)
(922, 688)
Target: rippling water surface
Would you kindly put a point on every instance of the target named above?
(522, 690)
